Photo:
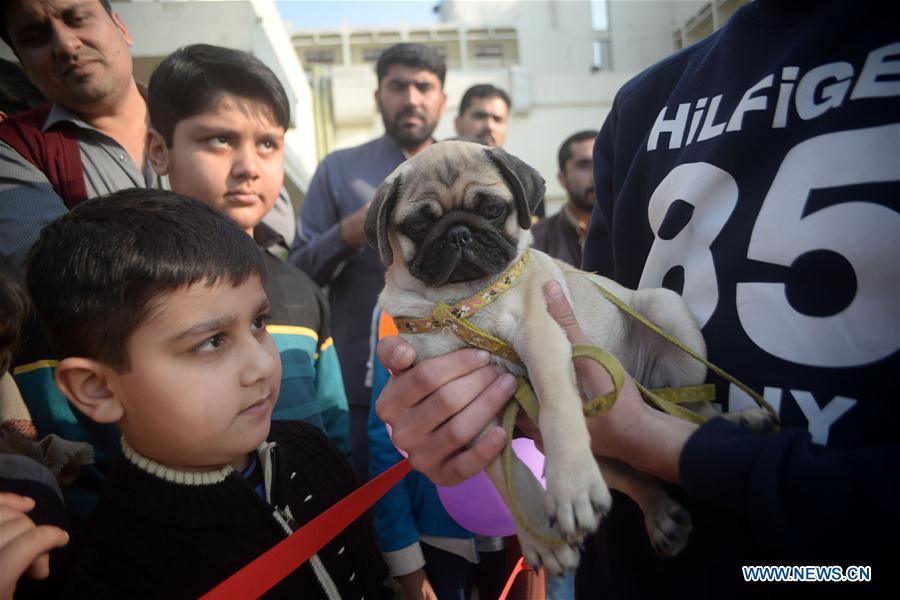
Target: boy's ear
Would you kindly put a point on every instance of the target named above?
(157, 152)
(89, 385)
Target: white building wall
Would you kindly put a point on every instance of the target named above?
(554, 90)
(556, 56)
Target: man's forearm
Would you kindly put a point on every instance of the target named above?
(320, 255)
(654, 445)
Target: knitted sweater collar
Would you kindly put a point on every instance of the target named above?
(174, 475)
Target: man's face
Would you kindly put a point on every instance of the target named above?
(484, 120)
(72, 50)
(578, 175)
(230, 156)
(204, 377)
(411, 101)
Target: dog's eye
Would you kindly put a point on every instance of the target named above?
(416, 227)
(492, 211)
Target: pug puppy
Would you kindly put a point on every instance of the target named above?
(446, 223)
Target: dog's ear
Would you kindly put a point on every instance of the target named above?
(524, 181)
(378, 219)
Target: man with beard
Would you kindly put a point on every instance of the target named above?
(331, 244)
(483, 113)
(562, 235)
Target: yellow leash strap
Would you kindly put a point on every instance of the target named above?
(473, 335)
(526, 398)
(687, 393)
(760, 401)
(666, 399)
(669, 406)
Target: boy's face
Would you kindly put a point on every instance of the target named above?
(205, 375)
(230, 156)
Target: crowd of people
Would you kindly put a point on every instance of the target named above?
(179, 394)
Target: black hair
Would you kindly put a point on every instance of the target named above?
(482, 90)
(95, 273)
(411, 55)
(4, 34)
(191, 79)
(13, 310)
(17, 93)
(565, 151)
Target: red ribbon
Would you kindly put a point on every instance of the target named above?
(266, 570)
(520, 566)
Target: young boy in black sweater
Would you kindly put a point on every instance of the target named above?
(155, 304)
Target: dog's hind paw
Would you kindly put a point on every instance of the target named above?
(754, 419)
(668, 527)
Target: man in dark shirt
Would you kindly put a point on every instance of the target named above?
(562, 235)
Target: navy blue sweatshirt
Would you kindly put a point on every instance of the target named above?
(758, 174)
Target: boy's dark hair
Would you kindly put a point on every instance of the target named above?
(482, 90)
(191, 79)
(565, 151)
(4, 34)
(94, 273)
(13, 310)
(411, 55)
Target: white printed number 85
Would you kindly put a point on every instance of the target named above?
(867, 235)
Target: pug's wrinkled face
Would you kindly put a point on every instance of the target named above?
(453, 228)
(452, 212)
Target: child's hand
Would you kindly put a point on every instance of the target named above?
(24, 545)
(416, 586)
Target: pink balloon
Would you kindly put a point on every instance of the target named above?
(477, 506)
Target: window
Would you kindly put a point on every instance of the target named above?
(601, 56)
(319, 57)
(599, 15)
(371, 54)
(489, 51)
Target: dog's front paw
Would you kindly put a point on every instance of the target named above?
(555, 559)
(541, 543)
(577, 497)
(668, 526)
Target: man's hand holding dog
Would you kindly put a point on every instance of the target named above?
(437, 408)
